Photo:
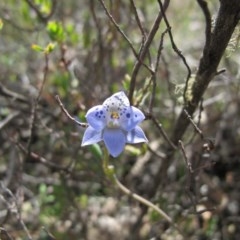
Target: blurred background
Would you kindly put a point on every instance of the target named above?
(51, 187)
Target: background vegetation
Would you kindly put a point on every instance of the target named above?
(166, 57)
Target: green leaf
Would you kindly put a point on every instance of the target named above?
(37, 48)
(44, 6)
(49, 48)
(133, 150)
(55, 31)
(96, 150)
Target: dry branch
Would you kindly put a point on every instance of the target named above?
(227, 19)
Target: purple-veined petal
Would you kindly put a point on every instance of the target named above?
(91, 136)
(136, 136)
(96, 117)
(130, 118)
(114, 140)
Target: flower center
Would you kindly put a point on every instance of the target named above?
(113, 120)
(114, 115)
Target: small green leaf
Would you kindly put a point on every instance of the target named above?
(56, 31)
(46, 6)
(133, 150)
(49, 48)
(37, 48)
(96, 150)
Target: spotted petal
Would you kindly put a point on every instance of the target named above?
(119, 100)
(96, 117)
(131, 118)
(114, 140)
(91, 136)
(136, 136)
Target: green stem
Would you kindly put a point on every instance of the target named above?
(142, 200)
(108, 169)
(110, 173)
(146, 203)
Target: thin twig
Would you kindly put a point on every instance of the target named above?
(123, 34)
(144, 91)
(198, 130)
(174, 46)
(191, 186)
(22, 28)
(42, 160)
(14, 95)
(159, 127)
(67, 168)
(206, 210)
(146, 203)
(68, 115)
(117, 26)
(8, 119)
(166, 67)
(198, 121)
(157, 153)
(188, 163)
(39, 14)
(14, 209)
(220, 71)
(138, 20)
(35, 104)
(154, 84)
(97, 24)
(4, 234)
(50, 236)
(140, 26)
(159, 52)
(145, 50)
(200, 112)
(206, 12)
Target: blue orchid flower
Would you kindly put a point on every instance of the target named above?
(115, 122)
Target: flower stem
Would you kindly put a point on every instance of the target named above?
(141, 199)
(110, 173)
(146, 203)
(108, 169)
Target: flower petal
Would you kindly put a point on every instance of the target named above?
(114, 140)
(118, 99)
(130, 118)
(91, 136)
(96, 117)
(136, 136)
